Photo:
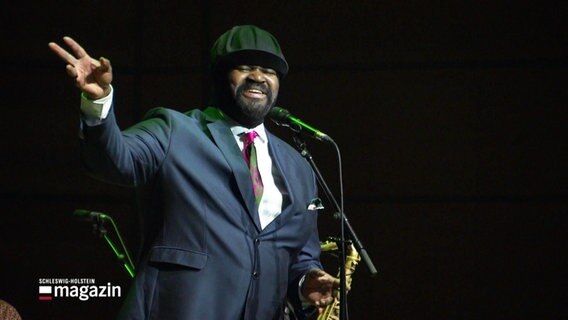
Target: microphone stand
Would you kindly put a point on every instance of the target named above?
(123, 258)
(345, 225)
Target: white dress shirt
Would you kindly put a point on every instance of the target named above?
(270, 205)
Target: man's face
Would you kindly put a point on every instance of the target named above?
(254, 90)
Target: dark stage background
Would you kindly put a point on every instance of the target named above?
(450, 116)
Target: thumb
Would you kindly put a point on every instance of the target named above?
(105, 65)
(315, 273)
(336, 283)
(322, 276)
(104, 73)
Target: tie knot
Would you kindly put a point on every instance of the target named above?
(249, 137)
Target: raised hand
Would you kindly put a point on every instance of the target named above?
(92, 77)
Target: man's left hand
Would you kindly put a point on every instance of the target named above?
(318, 287)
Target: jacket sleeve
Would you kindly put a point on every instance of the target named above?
(305, 263)
(308, 258)
(130, 157)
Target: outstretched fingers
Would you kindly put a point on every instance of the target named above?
(74, 58)
(62, 53)
(77, 49)
(91, 76)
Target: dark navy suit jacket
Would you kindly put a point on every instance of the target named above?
(204, 255)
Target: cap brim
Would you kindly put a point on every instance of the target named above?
(255, 58)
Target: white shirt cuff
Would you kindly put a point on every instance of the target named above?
(95, 111)
(304, 301)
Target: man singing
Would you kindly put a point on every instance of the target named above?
(227, 233)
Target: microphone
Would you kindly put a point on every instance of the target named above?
(89, 215)
(282, 117)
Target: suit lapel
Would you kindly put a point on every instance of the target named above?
(225, 141)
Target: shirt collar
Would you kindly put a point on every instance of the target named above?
(237, 129)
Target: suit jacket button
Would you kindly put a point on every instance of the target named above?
(255, 274)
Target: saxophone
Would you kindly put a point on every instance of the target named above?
(352, 258)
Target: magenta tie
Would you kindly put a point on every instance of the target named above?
(249, 153)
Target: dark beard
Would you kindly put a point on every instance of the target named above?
(248, 113)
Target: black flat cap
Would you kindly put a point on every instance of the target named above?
(249, 45)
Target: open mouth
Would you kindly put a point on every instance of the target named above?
(254, 93)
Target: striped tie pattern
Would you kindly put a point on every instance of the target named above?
(249, 153)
